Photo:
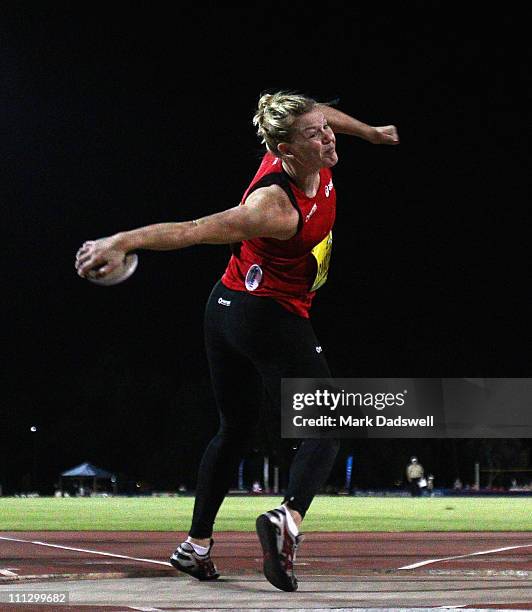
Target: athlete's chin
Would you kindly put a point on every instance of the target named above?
(330, 160)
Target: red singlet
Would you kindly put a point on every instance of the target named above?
(291, 270)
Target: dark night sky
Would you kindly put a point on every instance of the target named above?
(112, 119)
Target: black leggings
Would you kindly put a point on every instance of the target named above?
(252, 342)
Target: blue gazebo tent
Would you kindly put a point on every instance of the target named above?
(87, 470)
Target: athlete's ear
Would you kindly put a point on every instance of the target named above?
(284, 149)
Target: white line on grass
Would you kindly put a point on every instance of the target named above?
(85, 550)
(483, 552)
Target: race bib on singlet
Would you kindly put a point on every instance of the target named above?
(322, 255)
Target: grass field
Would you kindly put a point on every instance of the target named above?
(239, 513)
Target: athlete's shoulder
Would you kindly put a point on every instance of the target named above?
(272, 194)
(270, 182)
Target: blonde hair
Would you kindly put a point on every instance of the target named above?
(275, 115)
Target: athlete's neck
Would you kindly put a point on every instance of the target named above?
(307, 180)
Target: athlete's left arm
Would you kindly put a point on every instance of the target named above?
(345, 124)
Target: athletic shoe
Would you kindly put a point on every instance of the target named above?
(279, 547)
(186, 559)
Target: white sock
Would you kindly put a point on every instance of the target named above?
(201, 550)
(290, 521)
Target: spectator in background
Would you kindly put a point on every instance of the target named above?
(430, 485)
(457, 485)
(414, 474)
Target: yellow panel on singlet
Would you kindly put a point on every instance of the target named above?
(322, 253)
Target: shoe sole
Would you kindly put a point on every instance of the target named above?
(190, 573)
(272, 568)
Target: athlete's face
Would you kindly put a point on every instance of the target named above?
(313, 142)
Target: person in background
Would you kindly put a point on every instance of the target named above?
(414, 474)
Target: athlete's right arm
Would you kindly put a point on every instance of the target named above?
(268, 213)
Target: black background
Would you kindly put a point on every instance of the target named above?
(117, 117)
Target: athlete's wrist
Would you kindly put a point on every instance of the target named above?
(125, 241)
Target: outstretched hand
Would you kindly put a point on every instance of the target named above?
(386, 134)
(99, 257)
